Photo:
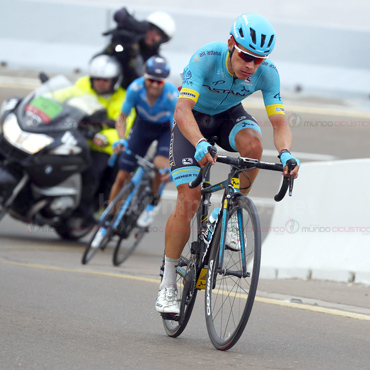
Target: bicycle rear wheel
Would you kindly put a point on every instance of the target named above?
(186, 281)
(125, 246)
(230, 293)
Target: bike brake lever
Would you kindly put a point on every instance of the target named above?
(291, 165)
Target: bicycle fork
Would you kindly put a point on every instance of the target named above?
(229, 200)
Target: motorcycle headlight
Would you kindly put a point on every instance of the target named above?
(26, 141)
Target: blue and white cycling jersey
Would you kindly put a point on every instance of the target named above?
(208, 82)
(163, 108)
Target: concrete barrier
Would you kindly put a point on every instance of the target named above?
(323, 231)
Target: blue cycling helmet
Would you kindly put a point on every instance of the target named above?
(255, 33)
(156, 68)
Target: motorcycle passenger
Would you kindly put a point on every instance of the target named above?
(134, 42)
(154, 100)
(103, 83)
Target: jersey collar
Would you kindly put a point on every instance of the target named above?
(227, 58)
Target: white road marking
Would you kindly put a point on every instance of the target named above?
(258, 201)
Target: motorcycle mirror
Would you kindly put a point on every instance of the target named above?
(43, 77)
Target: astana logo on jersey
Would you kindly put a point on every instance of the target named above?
(186, 76)
(219, 90)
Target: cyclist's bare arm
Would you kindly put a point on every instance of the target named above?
(282, 137)
(188, 125)
(121, 125)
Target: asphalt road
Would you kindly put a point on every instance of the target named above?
(57, 314)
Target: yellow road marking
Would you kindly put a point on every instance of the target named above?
(64, 269)
(329, 311)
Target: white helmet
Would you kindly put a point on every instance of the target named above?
(164, 22)
(105, 66)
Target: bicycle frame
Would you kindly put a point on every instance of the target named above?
(231, 191)
(143, 170)
(230, 187)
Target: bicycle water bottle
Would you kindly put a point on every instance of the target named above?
(211, 221)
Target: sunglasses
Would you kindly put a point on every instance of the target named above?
(152, 80)
(246, 56)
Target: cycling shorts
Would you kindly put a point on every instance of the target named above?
(224, 125)
(141, 136)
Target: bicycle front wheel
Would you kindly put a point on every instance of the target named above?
(232, 283)
(94, 245)
(130, 234)
(101, 238)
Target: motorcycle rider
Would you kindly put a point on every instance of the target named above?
(103, 83)
(133, 42)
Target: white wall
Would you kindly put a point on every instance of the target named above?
(323, 230)
(321, 46)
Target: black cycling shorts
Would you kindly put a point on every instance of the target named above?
(224, 125)
(142, 134)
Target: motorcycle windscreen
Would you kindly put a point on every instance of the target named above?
(56, 105)
(43, 115)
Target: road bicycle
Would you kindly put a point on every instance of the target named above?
(228, 276)
(121, 231)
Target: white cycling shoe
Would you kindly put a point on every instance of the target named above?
(147, 217)
(232, 235)
(167, 301)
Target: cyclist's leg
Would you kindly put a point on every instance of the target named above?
(241, 132)
(176, 235)
(139, 144)
(178, 224)
(184, 169)
(121, 178)
(162, 134)
(161, 160)
(151, 210)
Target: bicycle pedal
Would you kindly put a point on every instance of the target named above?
(146, 228)
(170, 316)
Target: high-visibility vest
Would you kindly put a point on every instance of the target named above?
(112, 104)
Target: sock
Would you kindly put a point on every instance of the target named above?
(169, 275)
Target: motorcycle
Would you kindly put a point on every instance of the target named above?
(43, 151)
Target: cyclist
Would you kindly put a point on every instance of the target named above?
(102, 83)
(154, 99)
(134, 42)
(216, 80)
